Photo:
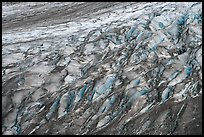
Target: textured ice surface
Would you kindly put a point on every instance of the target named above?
(95, 70)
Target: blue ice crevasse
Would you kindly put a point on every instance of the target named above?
(188, 71)
(198, 17)
(166, 93)
(17, 124)
(182, 20)
(161, 25)
(144, 91)
(70, 101)
(154, 47)
(107, 85)
(90, 97)
(117, 41)
(137, 82)
(53, 108)
(107, 104)
(114, 39)
(82, 91)
(133, 83)
(139, 36)
(130, 32)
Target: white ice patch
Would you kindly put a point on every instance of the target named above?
(69, 79)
